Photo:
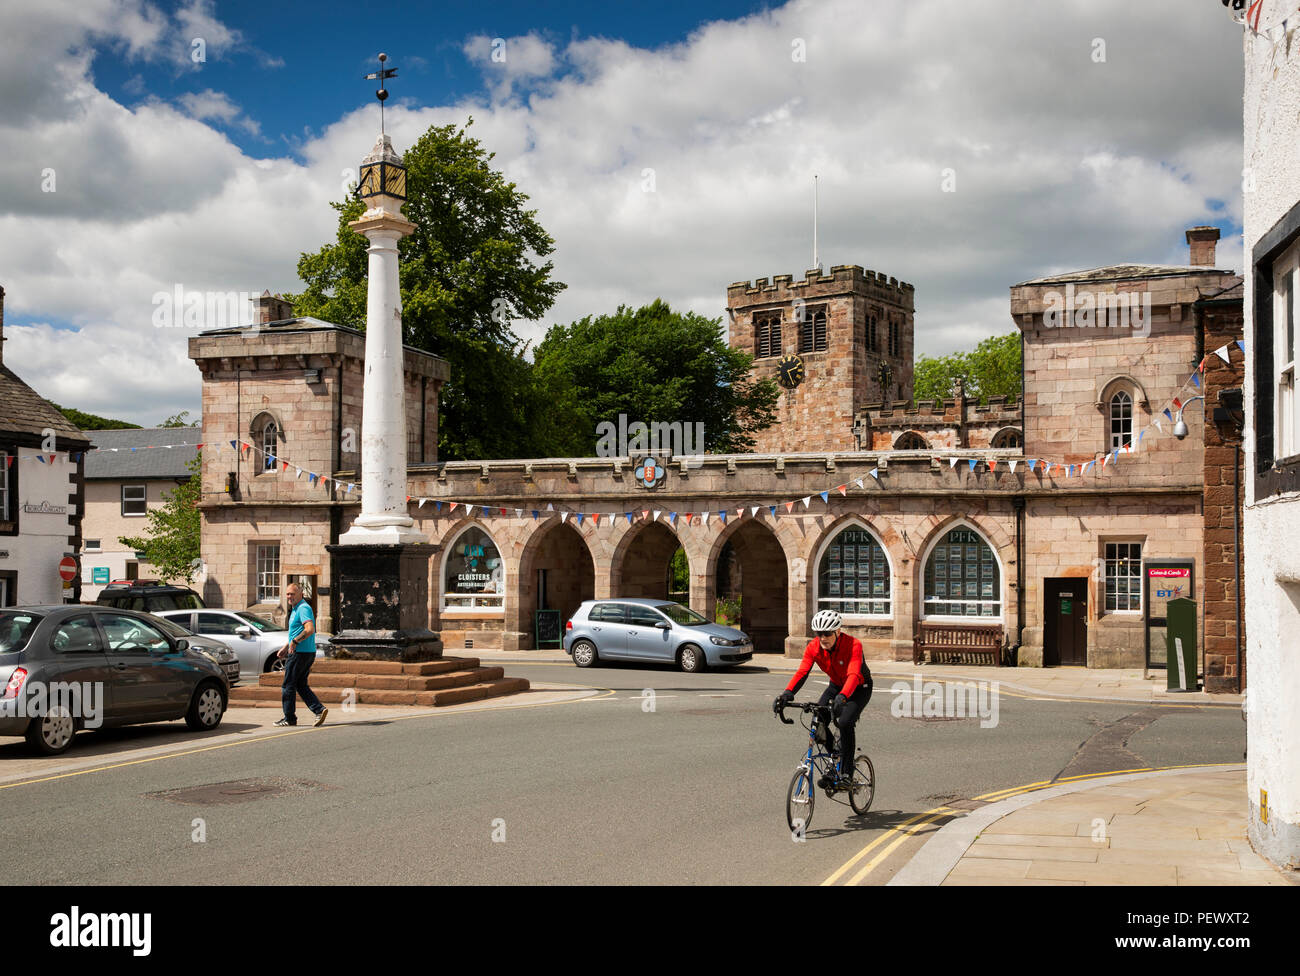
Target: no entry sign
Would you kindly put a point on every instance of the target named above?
(67, 569)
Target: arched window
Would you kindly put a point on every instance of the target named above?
(962, 577)
(1008, 437)
(910, 441)
(853, 574)
(473, 575)
(266, 436)
(1121, 420)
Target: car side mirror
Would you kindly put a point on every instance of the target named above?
(182, 644)
(244, 631)
(664, 625)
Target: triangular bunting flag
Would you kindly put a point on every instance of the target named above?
(232, 445)
(1156, 421)
(753, 511)
(770, 508)
(859, 482)
(973, 462)
(519, 513)
(875, 473)
(740, 513)
(706, 518)
(807, 501)
(1012, 464)
(789, 506)
(826, 496)
(550, 507)
(843, 489)
(298, 475)
(1033, 463)
(629, 517)
(659, 512)
(952, 463)
(672, 517)
(990, 463)
(723, 517)
(1241, 345)
(595, 518)
(563, 517)
(503, 513)
(422, 501)
(535, 514)
(1196, 381)
(41, 458)
(581, 516)
(1222, 353)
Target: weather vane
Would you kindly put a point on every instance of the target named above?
(381, 75)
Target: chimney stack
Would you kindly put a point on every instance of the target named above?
(269, 308)
(1201, 240)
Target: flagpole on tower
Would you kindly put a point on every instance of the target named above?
(816, 262)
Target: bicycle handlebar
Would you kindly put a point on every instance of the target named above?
(802, 706)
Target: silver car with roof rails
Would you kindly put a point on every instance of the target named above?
(657, 631)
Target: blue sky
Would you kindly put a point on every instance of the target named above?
(297, 69)
(669, 149)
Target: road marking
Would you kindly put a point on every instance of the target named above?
(879, 840)
(931, 815)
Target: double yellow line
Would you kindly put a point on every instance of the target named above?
(901, 833)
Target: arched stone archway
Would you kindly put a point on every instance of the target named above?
(749, 562)
(556, 569)
(641, 564)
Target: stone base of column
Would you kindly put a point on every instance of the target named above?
(383, 600)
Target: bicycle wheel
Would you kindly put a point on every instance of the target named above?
(864, 785)
(799, 804)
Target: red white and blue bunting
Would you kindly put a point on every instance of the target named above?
(800, 508)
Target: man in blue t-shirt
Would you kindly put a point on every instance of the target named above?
(301, 654)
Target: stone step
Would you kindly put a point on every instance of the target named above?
(392, 682)
(475, 689)
(351, 666)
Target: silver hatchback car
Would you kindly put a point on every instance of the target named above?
(638, 629)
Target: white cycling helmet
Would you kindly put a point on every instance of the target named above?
(826, 621)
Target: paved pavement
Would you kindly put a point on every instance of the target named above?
(1168, 827)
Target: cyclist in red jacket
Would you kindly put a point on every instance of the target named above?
(840, 656)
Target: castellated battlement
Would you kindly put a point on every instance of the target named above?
(842, 278)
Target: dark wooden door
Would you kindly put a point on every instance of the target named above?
(1065, 621)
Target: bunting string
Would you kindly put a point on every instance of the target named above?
(869, 483)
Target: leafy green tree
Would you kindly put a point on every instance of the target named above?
(991, 369)
(472, 266)
(172, 542)
(89, 421)
(656, 366)
(181, 419)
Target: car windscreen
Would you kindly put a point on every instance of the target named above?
(16, 629)
(259, 623)
(171, 628)
(679, 614)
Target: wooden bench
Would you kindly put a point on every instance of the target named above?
(953, 643)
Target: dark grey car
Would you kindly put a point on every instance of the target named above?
(65, 668)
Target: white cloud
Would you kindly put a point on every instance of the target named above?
(1060, 163)
(209, 104)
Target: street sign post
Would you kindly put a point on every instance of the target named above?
(67, 569)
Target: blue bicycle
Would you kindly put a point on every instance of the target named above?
(823, 761)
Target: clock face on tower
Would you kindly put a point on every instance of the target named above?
(789, 371)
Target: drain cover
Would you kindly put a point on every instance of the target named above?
(240, 791)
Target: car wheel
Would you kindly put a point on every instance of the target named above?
(274, 663)
(205, 708)
(691, 659)
(52, 733)
(584, 654)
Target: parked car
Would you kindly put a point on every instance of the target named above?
(93, 667)
(652, 630)
(147, 596)
(255, 640)
(226, 659)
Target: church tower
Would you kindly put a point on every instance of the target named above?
(833, 342)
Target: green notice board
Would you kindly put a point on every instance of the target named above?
(99, 574)
(547, 629)
(1180, 637)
